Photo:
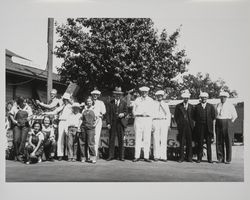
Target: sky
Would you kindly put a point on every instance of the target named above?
(214, 33)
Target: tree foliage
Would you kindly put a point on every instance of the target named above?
(203, 82)
(126, 52)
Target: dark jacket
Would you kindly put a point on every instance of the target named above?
(210, 115)
(113, 111)
(183, 117)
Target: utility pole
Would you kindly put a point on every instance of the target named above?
(50, 56)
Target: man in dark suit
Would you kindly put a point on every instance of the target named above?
(204, 116)
(185, 124)
(116, 122)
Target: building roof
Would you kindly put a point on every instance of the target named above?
(19, 65)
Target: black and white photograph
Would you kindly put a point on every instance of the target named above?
(137, 92)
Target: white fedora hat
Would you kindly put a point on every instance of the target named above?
(186, 94)
(66, 96)
(204, 94)
(144, 89)
(76, 105)
(96, 92)
(160, 92)
(224, 94)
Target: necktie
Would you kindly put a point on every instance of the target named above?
(221, 108)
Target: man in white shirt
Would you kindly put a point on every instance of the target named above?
(100, 110)
(64, 111)
(53, 103)
(20, 116)
(143, 113)
(161, 123)
(225, 114)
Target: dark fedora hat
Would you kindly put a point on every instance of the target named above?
(118, 90)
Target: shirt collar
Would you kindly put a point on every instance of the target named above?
(24, 108)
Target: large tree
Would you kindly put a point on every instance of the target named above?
(126, 52)
(203, 82)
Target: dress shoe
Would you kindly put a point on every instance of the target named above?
(93, 161)
(147, 160)
(27, 163)
(109, 159)
(60, 158)
(136, 160)
(52, 160)
(227, 162)
(180, 161)
(156, 159)
(210, 161)
(198, 161)
(164, 160)
(122, 159)
(20, 158)
(39, 160)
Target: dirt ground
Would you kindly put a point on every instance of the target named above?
(118, 171)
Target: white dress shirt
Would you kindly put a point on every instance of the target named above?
(143, 106)
(226, 111)
(16, 108)
(99, 108)
(162, 111)
(74, 119)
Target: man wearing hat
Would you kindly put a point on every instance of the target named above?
(100, 110)
(161, 123)
(63, 111)
(184, 118)
(204, 116)
(117, 123)
(53, 103)
(225, 114)
(143, 113)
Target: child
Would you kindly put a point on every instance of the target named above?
(88, 132)
(34, 149)
(73, 123)
(49, 139)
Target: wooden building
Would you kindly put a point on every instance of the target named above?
(24, 79)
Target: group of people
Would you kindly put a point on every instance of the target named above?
(79, 127)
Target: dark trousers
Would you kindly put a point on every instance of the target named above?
(186, 137)
(19, 139)
(223, 139)
(117, 129)
(203, 133)
(49, 148)
(29, 149)
(87, 144)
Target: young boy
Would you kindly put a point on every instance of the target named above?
(87, 137)
(73, 122)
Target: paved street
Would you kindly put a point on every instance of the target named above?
(128, 171)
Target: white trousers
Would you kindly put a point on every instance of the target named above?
(98, 130)
(62, 128)
(143, 127)
(160, 137)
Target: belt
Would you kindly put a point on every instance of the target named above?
(72, 127)
(159, 118)
(222, 119)
(142, 116)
